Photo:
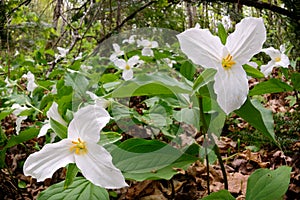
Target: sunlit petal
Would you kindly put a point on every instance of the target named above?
(87, 123)
(96, 166)
(285, 61)
(247, 39)
(201, 47)
(231, 87)
(43, 164)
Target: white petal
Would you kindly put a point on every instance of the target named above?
(285, 61)
(282, 48)
(231, 87)
(120, 63)
(127, 74)
(201, 47)
(87, 123)
(97, 167)
(54, 114)
(273, 53)
(44, 163)
(44, 129)
(247, 39)
(267, 69)
(133, 61)
(18, 123)
(147, 51)
(154, 44)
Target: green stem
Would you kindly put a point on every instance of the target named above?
(204, 129)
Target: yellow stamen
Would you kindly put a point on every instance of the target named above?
(79, 147)
(227, 62)
(277, 59)
(127, 67)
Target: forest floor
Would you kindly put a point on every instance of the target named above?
(240, 162)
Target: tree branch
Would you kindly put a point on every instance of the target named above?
(256, 4)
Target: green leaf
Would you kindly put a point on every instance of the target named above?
(220, 195)
(78, 82)
(222, 33)
(72, 171)
(251, 71)
(23, 136)
(59, 129)
(270, 86)
(265, 184)
(188, 70)
(205, 77)
(296, 80)
(151, 84)
(141, 159)
(109, 137)
(258, 116)
(81, 189)
(4, 114)
(188, 115)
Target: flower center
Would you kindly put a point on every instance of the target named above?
(227, 62)
(127, 67)
(277, 59)
(79, 147)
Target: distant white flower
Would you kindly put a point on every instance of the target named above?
(17, 110)
(148, 45)
(99, 101)
(30, 81)
(17, 53)
(53, 114)
(197, 26)
(79, 56)
(117, 52)
(86, 67)
(231, 83)
(9, 84)
(226, 21)
(169, 62)
(54, 89)
(81, 148)
(127, 66)
(278, 59)
(62, 53)
(130, 40)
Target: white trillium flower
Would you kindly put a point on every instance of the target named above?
(81, 148)
(17, 110)
(130, 40)
(128, 66)
(52, 113)
(30, 81)
(278, 59)
(231, 84)
(169, 62)
(62, 53)
(148, 45)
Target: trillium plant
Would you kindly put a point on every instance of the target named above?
(80, 147)
(124, 114)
